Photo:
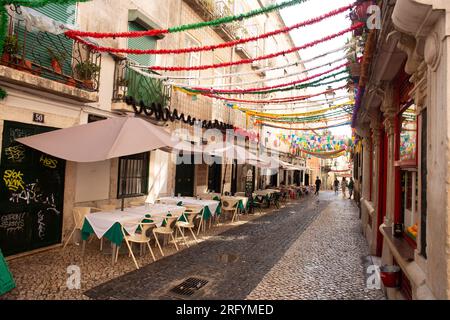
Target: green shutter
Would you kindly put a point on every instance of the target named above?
(141, 43)
(37, 44)
(141, 87)
(58, 12)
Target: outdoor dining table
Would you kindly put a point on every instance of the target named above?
(108, 224)
(243, 204)
(210, 207)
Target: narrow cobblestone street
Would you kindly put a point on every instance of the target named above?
(310, 249)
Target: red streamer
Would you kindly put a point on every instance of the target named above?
(234, 91)
(280, 100)
(76, 34)
(248, 61)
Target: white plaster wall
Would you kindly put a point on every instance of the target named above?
(92, 181)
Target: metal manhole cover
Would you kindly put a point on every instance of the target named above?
(188, 288)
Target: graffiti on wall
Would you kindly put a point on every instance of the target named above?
(13, 180)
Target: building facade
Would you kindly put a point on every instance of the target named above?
(53, 82)
(402, 161)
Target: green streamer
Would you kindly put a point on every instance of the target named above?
(315, 83)
(229, 19)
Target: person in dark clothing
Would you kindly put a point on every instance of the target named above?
(318, 184)
(351, 186)
(336, 185)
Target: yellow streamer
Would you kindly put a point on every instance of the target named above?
(303, 114)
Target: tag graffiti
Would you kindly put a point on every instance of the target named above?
(12, 222)
(49, 163)
(15, 153)
(41, 225)
(32, 194)
(14, 180)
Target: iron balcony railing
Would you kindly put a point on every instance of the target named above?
(215, 9)
(130, 81)
(48, 55)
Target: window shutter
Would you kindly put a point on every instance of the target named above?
(141, 43)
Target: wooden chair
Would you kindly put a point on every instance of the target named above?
(168, 229)
(139, 237)
(79, 213)
(190, 225)
(230, 204)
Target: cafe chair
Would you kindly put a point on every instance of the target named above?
(257, 201)
(139, 237)
(167, 229)
(230, 204)
(190, 215)
(79, 213)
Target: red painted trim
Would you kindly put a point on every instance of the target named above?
(406, 164)
(382, 186)
(397, 173)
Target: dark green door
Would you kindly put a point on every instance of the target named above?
(31, 193)
(234, 177)
(184, 179)
(215, 177)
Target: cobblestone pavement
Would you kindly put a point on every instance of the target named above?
(327, 261)
(306, 250)
(44, 275)
(253, 249)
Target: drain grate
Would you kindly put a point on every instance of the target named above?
(189, 287)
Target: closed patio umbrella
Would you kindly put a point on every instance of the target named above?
(103, 140)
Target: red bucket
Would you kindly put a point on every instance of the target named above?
(390, 275)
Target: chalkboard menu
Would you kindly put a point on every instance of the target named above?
(31, 193)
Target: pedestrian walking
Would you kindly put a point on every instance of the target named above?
(344, 186)
(318, 184)
(351, 186)
(336, 186)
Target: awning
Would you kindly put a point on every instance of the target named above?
(103, 140)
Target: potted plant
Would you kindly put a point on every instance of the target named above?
(11, 47)
(57, 58)
(86, 71)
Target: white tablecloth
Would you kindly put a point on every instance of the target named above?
(130, 218)
(211, 204)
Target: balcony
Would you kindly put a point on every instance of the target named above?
(48, 62)
(131, 82)
(213, 9)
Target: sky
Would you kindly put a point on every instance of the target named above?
(311, 9)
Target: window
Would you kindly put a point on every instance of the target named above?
(192, 59)
(253, 46)
(408, 135)
(133, 175)
(141, 43)
(219, 80)
(406, 161)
